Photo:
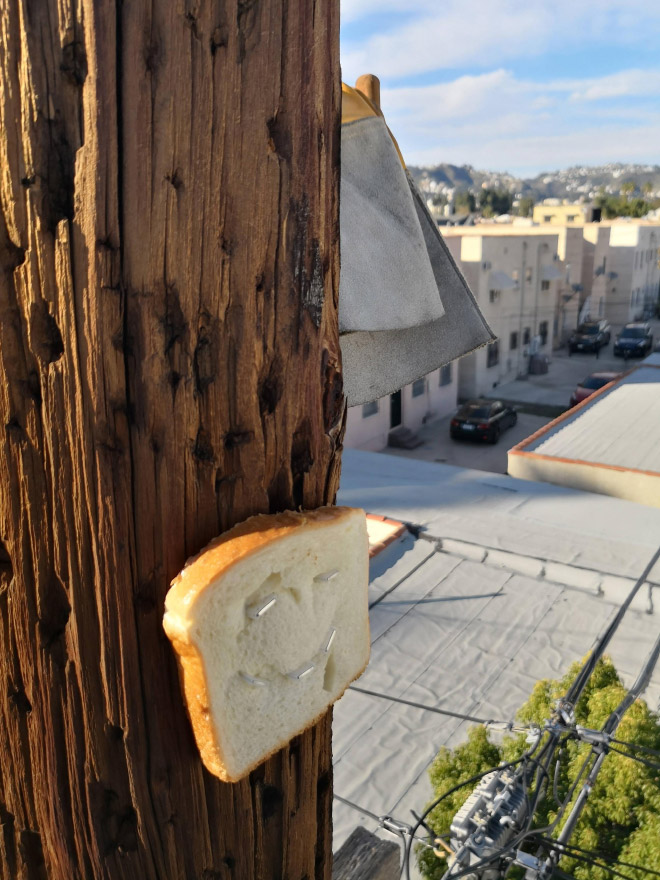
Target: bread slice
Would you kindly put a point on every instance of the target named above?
(270, 624)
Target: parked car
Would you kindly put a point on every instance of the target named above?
(592, 383)
(590, 336)
(482, 420)
(634, 340)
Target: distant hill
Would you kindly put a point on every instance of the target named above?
(570, 183)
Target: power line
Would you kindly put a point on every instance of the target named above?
(602, 858)
(650, 764)
(600, 746)
(508, 725)
(386, 822)
(588, 861)
(562, 717)
(638, 746)
(587, 670)
(356, 807)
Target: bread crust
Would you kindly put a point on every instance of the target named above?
(198, 573)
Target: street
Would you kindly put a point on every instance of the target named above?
(552, 390)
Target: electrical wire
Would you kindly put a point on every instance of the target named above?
(478, 776)
(509, 725)
(599, 747)
(547, 752)
(573, 694)
(378, 819)
(641, 748)
(356, 807)
(602, 858)
(586, 672)
(571, 792)
(442, 797)
(588, 861)
(636, 758)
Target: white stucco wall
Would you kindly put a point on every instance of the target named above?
(521, 253)
(370, 432)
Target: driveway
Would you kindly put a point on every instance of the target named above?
(438, 445)
(554, 388)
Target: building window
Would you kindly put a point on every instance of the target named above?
(543, 332)
(418, 387)
(513, 341)
(445, 375)
(369, 409)
(547, 218)
(493, 356)
(526, 336)
(494, 295)
(571, 218)
(545, 285)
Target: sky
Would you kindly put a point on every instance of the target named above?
(522, 86)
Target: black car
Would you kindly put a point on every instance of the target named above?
(482, 420)
(634, 340)
(590, 336)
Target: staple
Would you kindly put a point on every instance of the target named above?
(330, 640)
(260, 608)
(252, 679)
(328, 575)
(302, 671)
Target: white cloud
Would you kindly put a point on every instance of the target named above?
(486, 33)
(618, 85)
(495, 120)
(534, 153)
(356, 10)
(492, 117)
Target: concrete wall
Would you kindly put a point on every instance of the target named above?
(571, 253)
(631, 485)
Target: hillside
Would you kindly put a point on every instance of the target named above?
(571, 183)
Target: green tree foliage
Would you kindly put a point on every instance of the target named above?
(621, 821)
(526, 206)
(622, 206)
(464, 202)
(494, 202)
(628, 188)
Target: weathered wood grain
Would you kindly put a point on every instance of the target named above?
(169, 365)
(365, 856)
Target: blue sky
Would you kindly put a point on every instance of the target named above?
(511, 85)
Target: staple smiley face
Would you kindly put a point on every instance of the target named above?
(280, 632)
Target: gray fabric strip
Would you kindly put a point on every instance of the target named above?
(376, 364)
(386, 279)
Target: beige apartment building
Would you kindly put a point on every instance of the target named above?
(621, 269)
(520, 278)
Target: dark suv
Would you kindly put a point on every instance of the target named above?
(634, 340)
(590, 336)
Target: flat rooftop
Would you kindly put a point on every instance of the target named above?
(496, 583)
(609, 444)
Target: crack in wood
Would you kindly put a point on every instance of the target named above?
(45, 334)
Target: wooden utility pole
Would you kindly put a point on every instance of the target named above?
(169, 365)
